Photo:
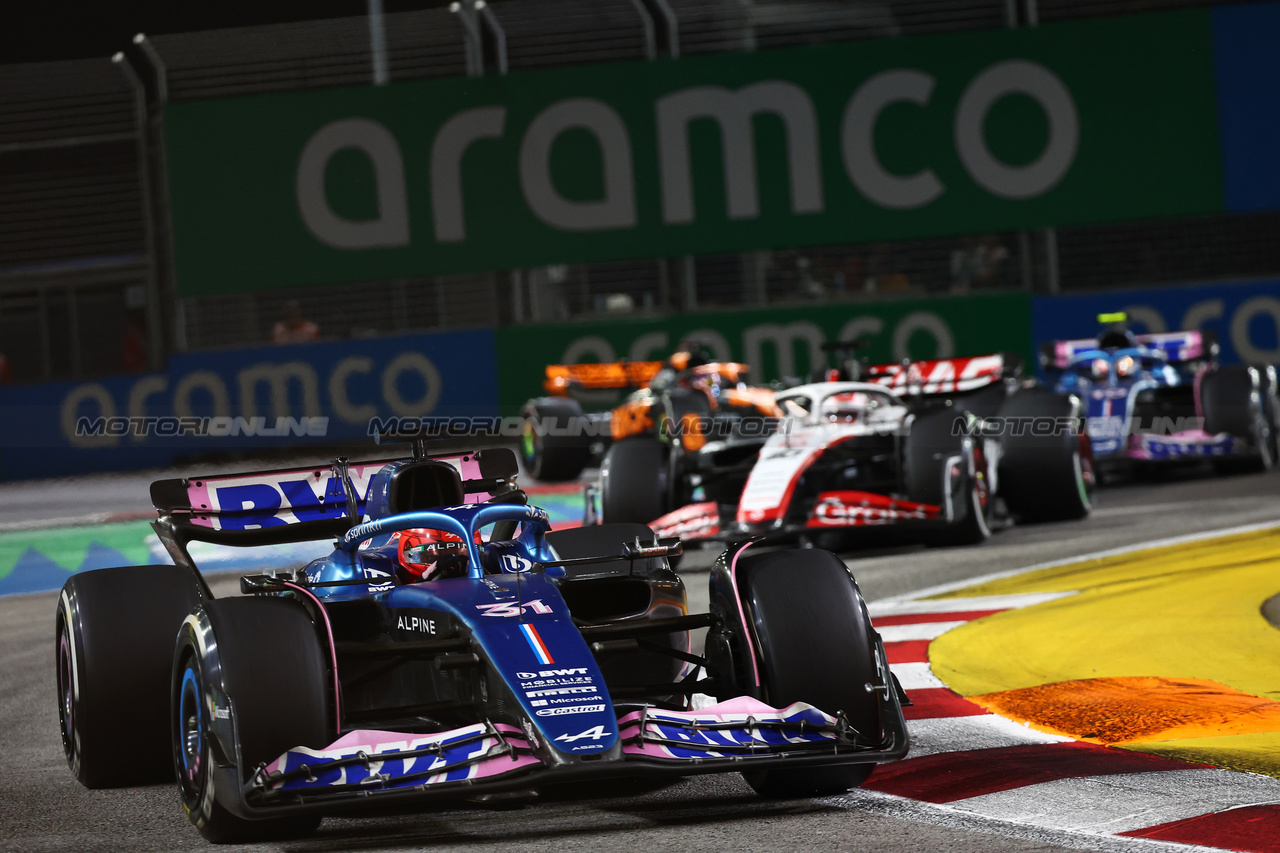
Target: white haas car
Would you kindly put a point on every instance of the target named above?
(944, 447)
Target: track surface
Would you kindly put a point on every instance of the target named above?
(43, 808)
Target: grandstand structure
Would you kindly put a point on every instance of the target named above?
(86, 253)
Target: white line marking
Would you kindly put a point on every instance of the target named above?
(953, 586)
(66, 521)
(1073, 812)
(1141, 509)
(918, 631)
(955, 605)
(889, 805)
(963, 734)
(915, 676)
(1125, 802)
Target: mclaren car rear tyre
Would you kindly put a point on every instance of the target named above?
(814, 645)
(936, 440)
(1233, 400)
(549, 456)
(266, 659)
(114, 649)
(1046, 464)
(633, 481)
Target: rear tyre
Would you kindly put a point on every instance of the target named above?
(1046, 476)
(813, 644)
(114, 649)
(633, 481)
(934, 444)
(547, 455)
(267, 661)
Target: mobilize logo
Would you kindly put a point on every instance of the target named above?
(507, 609)
(577, 681)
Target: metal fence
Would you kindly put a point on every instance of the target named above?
(73, 239)
(82, 280)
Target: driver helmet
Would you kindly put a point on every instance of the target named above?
(432, 554)
(1118, 338)
(689, 356)
(850, 407)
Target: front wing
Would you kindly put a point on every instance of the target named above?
(741, 734)
(831, 510)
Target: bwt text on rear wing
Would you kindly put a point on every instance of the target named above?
(302, 504)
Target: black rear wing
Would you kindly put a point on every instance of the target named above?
(286, 505)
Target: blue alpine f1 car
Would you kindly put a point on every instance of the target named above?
(450, 644)
(1164, 398)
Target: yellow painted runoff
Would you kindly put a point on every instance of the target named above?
(1161, 650)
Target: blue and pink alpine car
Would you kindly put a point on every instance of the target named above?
(1163, 397)
(445, 643)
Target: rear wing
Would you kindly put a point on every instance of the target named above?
(943, 375)
(1176, 346)
(286, 505)
(562, 378)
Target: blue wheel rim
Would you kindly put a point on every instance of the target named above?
(191, 727)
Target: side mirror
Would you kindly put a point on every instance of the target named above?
(657, 548)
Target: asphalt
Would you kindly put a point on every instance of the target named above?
(43, 808)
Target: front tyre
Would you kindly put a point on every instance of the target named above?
(814, 645)
(1234, 401)
(114, 633)
(945, 466)
(258, 662)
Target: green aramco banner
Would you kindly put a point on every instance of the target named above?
(875, 140)
(776, 343)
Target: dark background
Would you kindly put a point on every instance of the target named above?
(47, 30)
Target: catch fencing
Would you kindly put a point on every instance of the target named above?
(87, 271)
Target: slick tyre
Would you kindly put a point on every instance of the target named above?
(1270, 390)
(114, 633)
(1233, 401)
(933, 445)
(258, 662)
(548, 455)
(813, 644)
(633, 481)
(1045, 474)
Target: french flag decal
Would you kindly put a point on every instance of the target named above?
(535, 642)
